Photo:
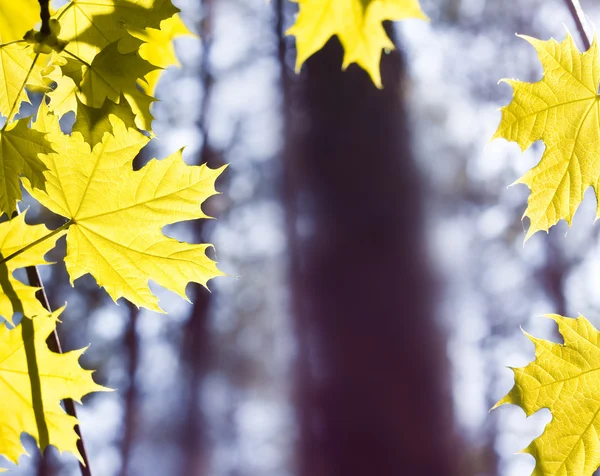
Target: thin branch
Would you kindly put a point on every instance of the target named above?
(45, 17)
(54, 345)
(132, 396)
(579, 18)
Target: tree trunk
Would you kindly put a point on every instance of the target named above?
(372, 376)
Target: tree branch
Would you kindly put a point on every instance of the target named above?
(579, 18)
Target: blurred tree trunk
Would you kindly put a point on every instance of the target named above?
(196, 348)
(372, 378)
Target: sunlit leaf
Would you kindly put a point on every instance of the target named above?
(357, 23)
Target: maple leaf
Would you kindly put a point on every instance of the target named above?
(563, 378)
(16, 18)
(157, 48)
(63, 97)
(92, 123)
(117, 214)
(110, 74)
(17, 69)
(19, 149)
(563, 110)
(33, 381)
(358, 25)
(15, 235)
(16, 59)
(89, 26)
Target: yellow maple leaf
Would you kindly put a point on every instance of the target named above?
(358, 25)
(17, 69)
(15, 235)
(20, 147)
(33, 381)
(158, 48)
(16, 59)
(117, 214)
(563, 110)
(16, 18)
(563, 378)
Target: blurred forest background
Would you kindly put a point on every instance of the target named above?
(378, 273)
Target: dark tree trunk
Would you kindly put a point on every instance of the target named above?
(372, 380)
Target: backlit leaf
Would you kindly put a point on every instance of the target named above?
(565, 379)
(118, 214)
(19, 149)
(33, 381)
(15, 235)
(563, 110)
(158, 48)
(358, 25)
(16, 18)
(91, 25)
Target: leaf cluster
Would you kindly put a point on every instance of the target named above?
(100, 60)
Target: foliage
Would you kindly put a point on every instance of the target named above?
(33, 381)
(562, 110)
(358, 25)
(563, 378)
(102, 61)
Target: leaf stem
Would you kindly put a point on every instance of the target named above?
(11, 43)
(77, 58)
(37, 242)
(12, 109)
(579, 18)
(67, 8)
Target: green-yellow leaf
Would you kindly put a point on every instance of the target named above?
(92, 123)
(16, 235)
(19, 149)
(31, 399)
(358, 25)
(118, 214)
(563, 111)
(565, 379)
(91, 25)
(110, 74)
(133, 105)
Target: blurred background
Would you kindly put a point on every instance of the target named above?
(378, 278)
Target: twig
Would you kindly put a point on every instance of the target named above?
(579, 18)
(45, 17)
(54, 345)
(132, 395)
